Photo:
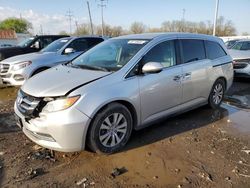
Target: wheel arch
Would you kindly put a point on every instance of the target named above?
(126, 103)
(223, 79)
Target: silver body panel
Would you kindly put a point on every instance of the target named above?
(152, 96)
(242, 68)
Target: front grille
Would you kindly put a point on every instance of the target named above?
(6, 75)
(240, 65)
(27, 105)
(4, 68)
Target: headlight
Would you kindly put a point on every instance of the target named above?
(59, 104)
(21, 65)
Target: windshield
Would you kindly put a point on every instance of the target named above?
(111, 55)
(55, 46)
(26, 42)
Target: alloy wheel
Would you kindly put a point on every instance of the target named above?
(113, 129)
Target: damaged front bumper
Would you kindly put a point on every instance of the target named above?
(64, 130)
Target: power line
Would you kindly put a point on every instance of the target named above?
(102, 5)
(69, 14)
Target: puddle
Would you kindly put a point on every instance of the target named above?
(237, 118)
(238, 100)
(8, 123)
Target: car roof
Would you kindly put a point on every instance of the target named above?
(90, 36)
(233, 40)
(244, 40)
(83, 36)
(151, 36)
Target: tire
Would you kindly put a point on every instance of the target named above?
(217, 94)
(39, 70)
(110, 130)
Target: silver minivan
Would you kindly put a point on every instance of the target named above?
(120, 85)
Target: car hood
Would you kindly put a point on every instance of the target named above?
(239, 54)
(8, 49)
(58, 81)
(29, 57)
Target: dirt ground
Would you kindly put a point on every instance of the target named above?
(201, 148)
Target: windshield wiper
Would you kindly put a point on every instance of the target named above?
(86, 67)
(71, 65)
(93, 68)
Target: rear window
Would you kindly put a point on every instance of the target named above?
(192, 50)
(214, 50)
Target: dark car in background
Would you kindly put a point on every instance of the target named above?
(32, 44)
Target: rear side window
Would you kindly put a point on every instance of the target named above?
(79, 45)
(214, 50)
(192, 50)
(94, 41)
(46, 41)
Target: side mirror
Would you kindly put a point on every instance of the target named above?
(69, 51)
(152, 67)
(36, 45)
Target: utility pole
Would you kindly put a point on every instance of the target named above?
(183, 14)
(102, 5)
(69, 15)
(41, 29)
(90, 19)
(215, 16)
(183, 20)
(76, 28)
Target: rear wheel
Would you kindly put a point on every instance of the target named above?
(110, 129)
(217, 94)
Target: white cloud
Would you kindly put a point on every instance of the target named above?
(51, 24)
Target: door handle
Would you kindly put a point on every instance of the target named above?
(177, 78)
(187, 76)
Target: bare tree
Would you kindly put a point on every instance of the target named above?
(63, 33)
(224, 28)
(137, 27)
(110, 31)
(245, 34)
(117, 31)
(83, 29)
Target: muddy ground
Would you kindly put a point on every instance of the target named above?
(201, 148)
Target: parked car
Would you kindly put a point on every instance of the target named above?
(229, 44)
(242, 45)
(241, 56)
(32, 44)
(122, 84)
(6, 45)
(16, 70)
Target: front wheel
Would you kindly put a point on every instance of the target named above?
(110, 129)
(217, 94)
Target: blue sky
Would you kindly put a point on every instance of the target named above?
(124, 12)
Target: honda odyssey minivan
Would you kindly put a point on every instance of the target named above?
(120, 85)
